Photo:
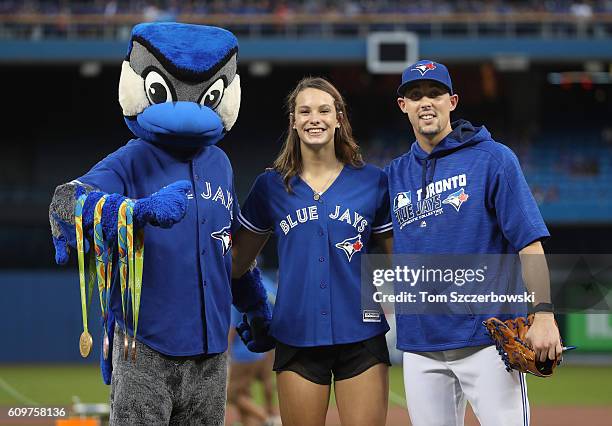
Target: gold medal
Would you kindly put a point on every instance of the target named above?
(85, 344)
(316, 196)
(134, 349)
(105, 345)
(126, 346)
(85, 341)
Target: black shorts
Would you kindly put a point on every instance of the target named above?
(319, 363)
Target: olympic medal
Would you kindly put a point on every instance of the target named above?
(105, 345)
(134, 349)
(85, 344)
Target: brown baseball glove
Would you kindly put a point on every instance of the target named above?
(509, 338)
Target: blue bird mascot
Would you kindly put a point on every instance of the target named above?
(155, 220)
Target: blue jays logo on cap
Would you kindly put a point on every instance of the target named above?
(456, 199)
(425, 70)
(224, 235)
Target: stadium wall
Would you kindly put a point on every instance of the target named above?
(305, 50)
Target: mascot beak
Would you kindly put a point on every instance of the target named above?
(182, 118)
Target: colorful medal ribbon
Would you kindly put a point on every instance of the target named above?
(85, 341)
(129, 216)
(138, 275)
(100, 250)
(101, 267)
(109, 277)
(122, 246)
(91, 277)
(136, 265)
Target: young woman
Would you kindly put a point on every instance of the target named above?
(324, 205)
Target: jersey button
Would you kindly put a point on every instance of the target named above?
(323, 285)
(196, 177)
(321, 233)
(323, 312)
(203, 251)
(321, 259)
(203, 221)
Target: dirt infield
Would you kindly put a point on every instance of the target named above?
(540, 416)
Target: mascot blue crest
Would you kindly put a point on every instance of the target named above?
(179, 84)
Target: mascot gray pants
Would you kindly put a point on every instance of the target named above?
(160, 390)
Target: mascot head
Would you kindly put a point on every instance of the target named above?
(179, 84)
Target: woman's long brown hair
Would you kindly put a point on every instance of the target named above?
(289, 160)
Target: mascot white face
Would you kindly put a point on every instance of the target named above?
(179, 85)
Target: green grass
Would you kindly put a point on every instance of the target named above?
(56, 385)
(572, 385)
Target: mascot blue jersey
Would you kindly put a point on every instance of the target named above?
(468, 196)
(185, 305)
(320, 243)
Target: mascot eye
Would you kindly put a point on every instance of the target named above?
(212, 97)
(157, 89)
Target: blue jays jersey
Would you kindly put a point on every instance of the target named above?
(186, 297)
(468, 196)
(320, 243)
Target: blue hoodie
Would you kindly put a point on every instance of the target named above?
(476, 201)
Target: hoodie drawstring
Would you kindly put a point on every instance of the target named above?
(424, 179)
(433, 169)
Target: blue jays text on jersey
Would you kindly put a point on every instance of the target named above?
(311, 213)
(476, 201)
(223, 196)
(186, 297)
(319, 248)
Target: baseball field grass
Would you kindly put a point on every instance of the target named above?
(49, 385)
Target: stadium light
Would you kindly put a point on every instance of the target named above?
(90, 69)
(391, 52)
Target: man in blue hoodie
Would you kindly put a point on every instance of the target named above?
(480, 204)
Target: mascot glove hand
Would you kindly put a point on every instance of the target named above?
(64, 241)
(165, 207)
(254, 331)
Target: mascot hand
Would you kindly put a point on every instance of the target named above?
(250, 297)
(62, 250)
(254, 331)
(61, 218)
(165, 207)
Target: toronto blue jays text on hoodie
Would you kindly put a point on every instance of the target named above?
(467, 196)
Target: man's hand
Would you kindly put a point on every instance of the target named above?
(543, 336)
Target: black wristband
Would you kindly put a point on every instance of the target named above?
(542, 307)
